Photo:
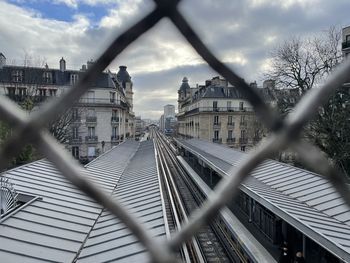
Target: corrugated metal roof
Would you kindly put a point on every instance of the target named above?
(304, 199)
(55, 227)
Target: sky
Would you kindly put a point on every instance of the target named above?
(242, 33)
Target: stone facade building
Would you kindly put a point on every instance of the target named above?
(217, 112)
(102, 118)
(346, 41)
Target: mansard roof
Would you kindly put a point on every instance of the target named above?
(34, 75)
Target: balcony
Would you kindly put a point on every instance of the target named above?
(218, 109)
(91, 119)
(345, 45)
(217, 140)
(102, 102)
(231, 140)
(217, 124)
(243, 124)
(243, 140)
(75, 140)
(230, 125)
(114, 119)
(91, 139)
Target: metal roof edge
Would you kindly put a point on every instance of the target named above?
(312, 234)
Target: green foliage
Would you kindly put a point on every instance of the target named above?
(330, 130)
(26, 155)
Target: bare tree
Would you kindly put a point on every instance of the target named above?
(302, 64)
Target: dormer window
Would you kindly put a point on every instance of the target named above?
(74, 79)
(17, 76)
(47, 77)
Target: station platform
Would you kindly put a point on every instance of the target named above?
(256, 251)
(59, 223)
(303, 199)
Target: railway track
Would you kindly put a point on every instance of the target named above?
(183, 198)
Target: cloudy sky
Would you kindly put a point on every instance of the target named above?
(240, 32)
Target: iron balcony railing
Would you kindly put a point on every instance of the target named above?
(230, 125)
(91, 139)
(217, 109)
(114, 119)
(75, 140)
(102, 102)
(91, 119)
(217, 140)
(231, 140)
(217, 124)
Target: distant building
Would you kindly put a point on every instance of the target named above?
(217, 112)
(103, 116)
(162, 123)
(169, 111)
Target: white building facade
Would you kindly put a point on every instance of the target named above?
(102, 118)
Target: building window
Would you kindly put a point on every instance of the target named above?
(74, 79)
(47, 77)
(17, 76)
(215, 106)
(91, 132)
(112, 97)
(114, 132)
(243, 134)
(216, 119)
(75, 132)
(230, 134)
(241, 105)
(75, 152)
(230, 120)
(347, 39)
(216, 135)
(229, 106)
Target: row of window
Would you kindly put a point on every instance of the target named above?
(230, 134)
(229, 105)
(91, 132)
(13, 91)
(18, 76)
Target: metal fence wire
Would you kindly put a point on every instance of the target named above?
(285, 132)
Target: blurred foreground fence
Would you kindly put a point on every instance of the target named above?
(285, 132)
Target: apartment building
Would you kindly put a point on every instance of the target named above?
(346, 41)
(103, 116)
(217, 112)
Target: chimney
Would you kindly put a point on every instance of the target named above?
(62, 65)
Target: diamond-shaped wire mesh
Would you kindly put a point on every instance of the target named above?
(285, 132)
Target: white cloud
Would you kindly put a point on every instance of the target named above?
(241, 34)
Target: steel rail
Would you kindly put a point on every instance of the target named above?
(197, 253)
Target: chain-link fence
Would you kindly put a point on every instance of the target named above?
(285, 132)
